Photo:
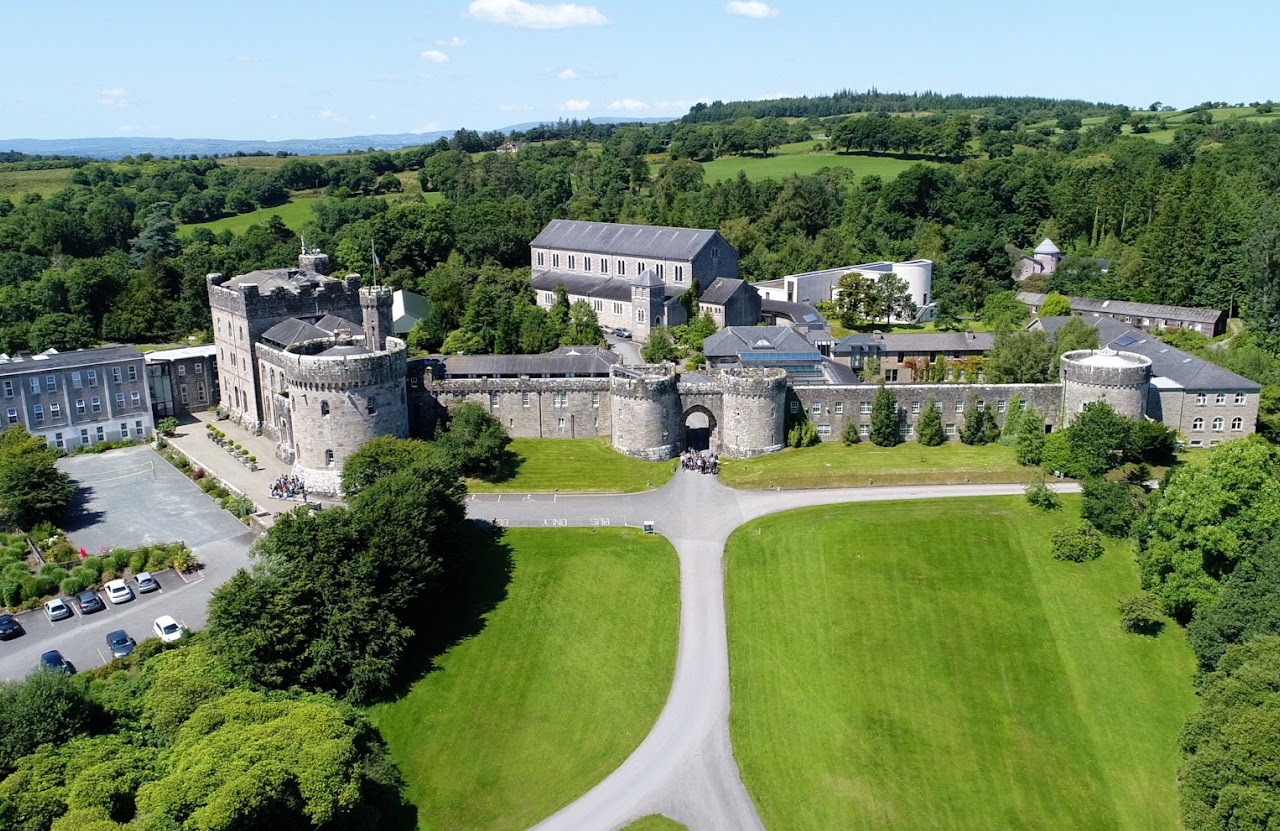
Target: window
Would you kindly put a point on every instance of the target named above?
(371, 406)
(137, 429)
(639, 267)
(55, 410)
(12, 415)
(982, 405)
(950, 429)
(937, 405)
(539, 257)
(909, 430)
(182, 393)
(824, 430)
(200, 391)
(119, 401)
(595, 400)
(50, 383)
(199, 369)
(891, 375)
(1240, 398)
(795, 406)
(133, 372)
(679, 274)
(58, 440)
(79, 406)
(571, 262)
(617, 308)
(84, 435)
(8, 389)
(864, 430)
(622, 268)
(1197, 443)
(324, 408)
(102, 432)
(1001, 405)
(76, 380)
(864, 407)
(524, 399)
(839, 408)
(95, 404)
(182, 369)
(604, 265)
(1200, 399)
(560, 423)
(960, 406)
(1022, 404)
(639, 315)
(555, 260)
(1197, 425)
(1237, 424)
(1217, 425)
(35, 386)
(559, 399)
(1221, 399)
(38, 410)
(328, 458)
(915, 407)
(715, 252)
(586, 263)
(135, 398)
(599, 305)
(93, 377)
(658, 270)
(124, 429)
(493, 401)
(817, 408)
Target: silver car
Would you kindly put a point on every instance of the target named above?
(57, 609)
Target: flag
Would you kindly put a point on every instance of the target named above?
(377, 264)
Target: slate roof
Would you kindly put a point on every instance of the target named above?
(736, 340)
(925, 342)
(721, 291)
(1182, 369)
(332, 323)
(798, 312)
(584, 285)
(1046, 246)
(293, 330)
(269, 279)
(567, 360)
(648, 279)
(51, 359)
(654, 241)
(1125, 307)
(343, 349)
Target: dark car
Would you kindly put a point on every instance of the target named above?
(89, 602)
(53, 660)
(9, 627)
(120, 643)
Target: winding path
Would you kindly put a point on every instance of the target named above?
(685, 768)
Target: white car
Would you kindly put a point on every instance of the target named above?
(118, 591)
(167, 629)
(57, 609)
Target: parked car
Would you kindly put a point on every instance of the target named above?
(57, 609)
(89, 602)
(623, 333)
(53, 660)
(146, 582)
(118, 591)
(167, 629)
(9, 627)
(120, 643)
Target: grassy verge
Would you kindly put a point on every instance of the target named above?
(565, 678)
(655, 822)
(584, 465)
(929, 665)
(832, 465)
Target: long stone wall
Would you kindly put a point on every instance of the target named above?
(562, 408)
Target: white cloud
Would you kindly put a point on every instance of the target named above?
(575, 105)
(435, 56)
(454, 41)
(567, 74)
(429, 127)
(629, 105)
(750, 8)
(524, 15)
(515, 108)
(329, 115)
(114, 97)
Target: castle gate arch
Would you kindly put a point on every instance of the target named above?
(699, 428)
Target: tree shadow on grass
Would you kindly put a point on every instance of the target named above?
(505, 467)
(77, 515)
(476, 584)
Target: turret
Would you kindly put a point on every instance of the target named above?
(375, 310)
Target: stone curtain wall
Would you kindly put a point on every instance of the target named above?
(528, 407)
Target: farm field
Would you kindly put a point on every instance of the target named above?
(930, 665)
(294, 213)
(564, 680)
(783, 164)
(584, 465)
(14, 183)
(831, 464)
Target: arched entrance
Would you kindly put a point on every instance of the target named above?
(699, 428)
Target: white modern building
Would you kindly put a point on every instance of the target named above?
(813, 287)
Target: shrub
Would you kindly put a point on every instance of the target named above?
(1040, 496)
(1077, 543)
(1141, 614)
(185, 560)
(929, 431)
(1112, 507)
(167, 426)
(849, 434)
(74, 584)
(802, 434)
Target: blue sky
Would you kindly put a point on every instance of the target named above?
(276, 70)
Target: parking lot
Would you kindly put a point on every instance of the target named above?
(131, 497)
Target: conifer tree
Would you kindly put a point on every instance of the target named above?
(929, 427)
(884, 418)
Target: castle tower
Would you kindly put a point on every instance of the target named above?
(645, 411)
(648, 298)
(1048, 255)
(1122, 379)
(375, 316)
(754, 412)
(313, 259)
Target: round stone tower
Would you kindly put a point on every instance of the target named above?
(754, 412)
(645, 411)
(340, 396)
(1119, 378)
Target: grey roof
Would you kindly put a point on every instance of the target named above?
(293, 330)
(290, 279)
(1046, 246)
(722, 290)
(736, 340)
(1081, 305)
(649, 279)
(332, 323)
(50, 359)
(561, 363)
(1183, 369)
(924, 342)
(798, 312)
(344, 349)
(627, 240)
(598, 352)
(583, 285)
(839, 373)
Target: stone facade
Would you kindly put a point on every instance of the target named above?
(1204, 419)
(182, 381)
(1121, 379)
(568, 408)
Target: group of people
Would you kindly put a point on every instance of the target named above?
(703, 461)
(288, 487)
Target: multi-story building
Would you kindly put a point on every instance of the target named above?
(79, 398)
(183, 380)
(917, 358)
(814, 287)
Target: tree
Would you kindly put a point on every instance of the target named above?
(1019, 357)
(1003, 311)
(158, 235)
(477, 442)
(929, 428)
(32, 488)
(1030, 441)
(1096, 441)
(849, 433)
(1111, 507)
(1077, 543)
(884, 418)
(384, 455)
(1249, 605)
(660, 347)
(854, 298)
(1040, 496)
(1073, 335)
(61, 331)
(584, 326)
(1054, 305)
(979, 424)
(43, 708)
(890, 297)
(1140, 614)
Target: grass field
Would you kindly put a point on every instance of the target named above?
(832, 465)
(584, 465)
(14, 183)
(784, 164)
(567, 676)
(655, 822)
(294, 214)
(930, 665)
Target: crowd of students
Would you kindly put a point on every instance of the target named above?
(288, 487)
(702, 461)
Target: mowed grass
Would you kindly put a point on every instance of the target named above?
(782, 165)
(294, 214)
(565, 679)
(14, 183)
(655, 822)
(930, 665)
(584, 465)
(832, 465)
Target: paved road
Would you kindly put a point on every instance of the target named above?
(685, 767)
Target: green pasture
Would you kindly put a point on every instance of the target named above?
(929, 665)
(781, 165)
(832, 464)
(14, 183)
(294, 214)
(565, 677)
(585, 465)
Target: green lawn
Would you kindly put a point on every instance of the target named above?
(832, 464)
(567, 676)
(295, 213)
(585, 465)
(14, 183)
(930, 665)
(782, 165)
(655, 822)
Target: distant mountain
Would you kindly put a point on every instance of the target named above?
(118, 146)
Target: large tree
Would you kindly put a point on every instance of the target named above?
(476, 442)
(32, 488)
(884, 418)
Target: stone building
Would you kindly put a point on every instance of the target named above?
(80, 398)
(1043, 262)
(182, 381)
(1208, 322)
(910, 358)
